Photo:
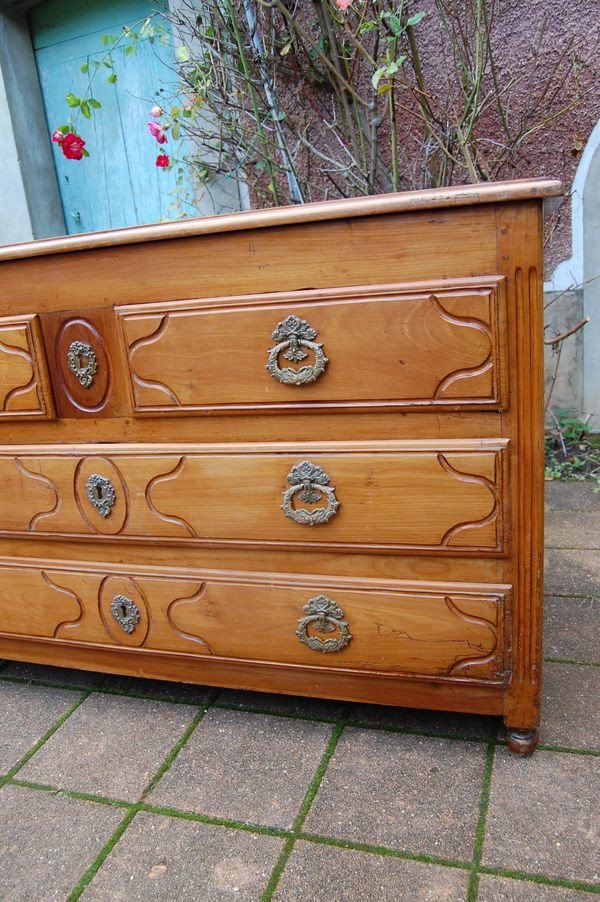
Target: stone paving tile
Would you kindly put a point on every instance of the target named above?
(165, 858)
(247, 767)
(282, 704)
(500, 889)
(27, 712)
(405, 792)
(60, 676)
(318, 873)
(570, 707)
(111, 746)
(577, 529)
(163, 690)
(572, 573)
(543, 815)
(47, 842)
(571, 496)
(572, 628)
(463, 725)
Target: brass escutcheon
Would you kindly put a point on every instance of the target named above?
(100, 493)
(82, 362)
(126, 613)
(294, 336)
(325, 616)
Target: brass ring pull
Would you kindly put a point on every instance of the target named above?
(324, 616)
(82, 362)
(295, 338)
(126, 613)
(310, 483)
(101, 494)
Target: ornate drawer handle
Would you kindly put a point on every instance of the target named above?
(101, 494)
(325, 616)
(78, 352)
(126, 613)
(310, 483)
(294, 335)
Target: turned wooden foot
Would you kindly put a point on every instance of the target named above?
(522, 742)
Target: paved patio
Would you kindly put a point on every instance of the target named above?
(121, 789)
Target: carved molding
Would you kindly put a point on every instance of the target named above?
(24, 384)
(148, 375)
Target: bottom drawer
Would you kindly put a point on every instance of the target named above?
(448, 630)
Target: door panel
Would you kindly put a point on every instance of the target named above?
(119, 184)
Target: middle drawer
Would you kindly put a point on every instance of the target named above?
(357, 496)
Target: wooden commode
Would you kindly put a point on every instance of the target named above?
(294, 450)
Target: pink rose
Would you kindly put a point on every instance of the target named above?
(157, 132)
(57, 136)
(156, 111)
(162, 161)
(343, 4)
(72, 146)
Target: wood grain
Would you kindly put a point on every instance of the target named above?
(24, 385)
(440, 630)
(393, 495)
(435, 345)
(430, 198)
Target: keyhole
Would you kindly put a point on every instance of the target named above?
(123, 611)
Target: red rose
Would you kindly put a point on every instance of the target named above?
(162, 161)
(72, 146)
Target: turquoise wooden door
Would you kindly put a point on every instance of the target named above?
(119, 184)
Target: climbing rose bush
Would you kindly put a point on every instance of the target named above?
(158, 132)
(71, 144)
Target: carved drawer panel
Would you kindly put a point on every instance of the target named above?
(395, 495)
(24, 385)
(438, 345)
(443, 630)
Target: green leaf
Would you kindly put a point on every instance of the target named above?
(175, 112)
(72, 100)
(112, 78)
(366, 27)
(176, 132)
(84, 152)
(131, 48)
(65, 129)
(85, 68)
(187, 113)
(183, 54)
(395, 24)
(415, 19)
(85, 109)
(94, 103)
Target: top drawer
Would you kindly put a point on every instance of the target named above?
(421, 346)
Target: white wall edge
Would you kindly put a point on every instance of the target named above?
(569, 273)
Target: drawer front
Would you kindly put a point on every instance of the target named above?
(24, 385)
(451, 631)
(433, 346)
(360, 496)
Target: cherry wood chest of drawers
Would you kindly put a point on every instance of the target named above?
(296, 450)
